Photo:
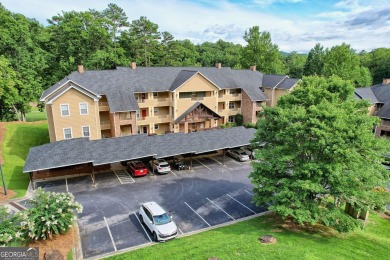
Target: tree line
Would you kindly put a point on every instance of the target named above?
(33, 57)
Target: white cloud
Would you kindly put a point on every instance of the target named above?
(349, 21)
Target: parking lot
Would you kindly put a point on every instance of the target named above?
(209, 194)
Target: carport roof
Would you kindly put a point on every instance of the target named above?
(104, 151)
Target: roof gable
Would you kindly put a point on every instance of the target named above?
(192, 108)
(66, 87)
(186, 76)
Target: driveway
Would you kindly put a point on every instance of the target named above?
(208, 195)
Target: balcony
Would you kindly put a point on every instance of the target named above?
(103, 106)
(105, 125)
(125, 119)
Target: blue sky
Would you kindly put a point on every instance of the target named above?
(294, 24)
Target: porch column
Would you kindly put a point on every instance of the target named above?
(185, 127)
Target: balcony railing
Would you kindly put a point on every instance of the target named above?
(196, 98)
(105, 122)
(103, 104)
(125, 117)
(141, 100)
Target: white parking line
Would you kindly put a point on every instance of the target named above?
(180, 230)
(66, 182)
(197, 214)
(202, 164)
(215, 160)
(220, 209)
(249, 193)
(124, 177)
(109, 232)
(241, 204)
(146, 232)
(174, 174)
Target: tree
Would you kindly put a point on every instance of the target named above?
(378, 62)
(315, 61)
(295, 64)
(239, 119)
(145, 39)
(117, 19)
(21, 44)
(341, 60)
(320, 153)
(260, 51)
(8, 90)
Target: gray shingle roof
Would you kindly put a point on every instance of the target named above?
(271, 81)
(287, 83)
(384, 112)
(120, 84)
(105, 151)
(367, 94)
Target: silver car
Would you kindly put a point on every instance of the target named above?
(160, 165)
(238, 154)
(157, 221)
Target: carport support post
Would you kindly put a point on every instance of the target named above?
(191, 162)
(32, 181)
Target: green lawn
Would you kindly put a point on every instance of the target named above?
(18, 140)
(35, 115)
(240, 241)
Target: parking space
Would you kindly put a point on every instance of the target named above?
(215, 191)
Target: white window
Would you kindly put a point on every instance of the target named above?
(231, 105)
(67, 133)
(155, 94)
(85, 130)
(231, 119)
(64, 110)
(155, 110)
(156, 127)
(83, 108)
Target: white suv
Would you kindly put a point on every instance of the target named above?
(158, 221)
(160, 165)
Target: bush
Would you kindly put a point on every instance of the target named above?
(228, 125)
(250, 125)
(10, 229)
(52, 213)
(239, 119)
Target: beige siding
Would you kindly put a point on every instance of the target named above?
(196, 84)
(50, 123)
(75, 121)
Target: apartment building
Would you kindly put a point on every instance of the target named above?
(379, 97)
(157, 100)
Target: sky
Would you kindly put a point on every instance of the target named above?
(295, 25)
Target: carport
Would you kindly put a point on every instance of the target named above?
(92, 156)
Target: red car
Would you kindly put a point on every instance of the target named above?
(137, 168)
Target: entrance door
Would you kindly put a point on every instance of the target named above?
(145, 129)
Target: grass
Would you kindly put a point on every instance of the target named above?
(69, 255)
(240, 241)
(17, 142)
(35, 115)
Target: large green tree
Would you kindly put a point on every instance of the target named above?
(8, 90)
(295, 63)
(260, 51)
(320, 153)
(21, 43)
(315, 61)
(144, 36)
(378, 62)
(341, 60)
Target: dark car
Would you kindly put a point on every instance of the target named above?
(180, 165)
(137, 168)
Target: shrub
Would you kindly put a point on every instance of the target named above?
(10, 229)
(250, 125)
(52, 213)
(228, 125)
(239, 119)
